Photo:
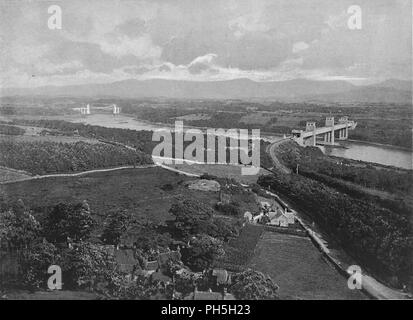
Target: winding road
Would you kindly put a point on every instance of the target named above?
(271, 151)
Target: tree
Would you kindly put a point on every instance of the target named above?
(192, 217)
(88, 266)
(115, 228)
(18, 227)
(226, 229)
(253, 285)
(229, 209)
(34, 263)
(201, 252)
(150, 240)
(68, 221)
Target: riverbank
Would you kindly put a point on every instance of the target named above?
(390, 146)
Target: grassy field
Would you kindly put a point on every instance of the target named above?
(219, 170)
(299, 269)
(138, 191)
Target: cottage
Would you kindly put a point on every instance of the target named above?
(280, 218)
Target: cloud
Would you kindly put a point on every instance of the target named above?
(300, 46)
(141, 47)
(203, 40)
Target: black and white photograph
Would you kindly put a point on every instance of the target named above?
(182, 150)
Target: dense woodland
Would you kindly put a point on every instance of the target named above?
(52, 157)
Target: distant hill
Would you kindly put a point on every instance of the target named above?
(396, 84)
(231, 89)
(389, 91)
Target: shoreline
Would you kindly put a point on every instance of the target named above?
(378, 144)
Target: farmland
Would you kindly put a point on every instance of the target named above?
(299, 269)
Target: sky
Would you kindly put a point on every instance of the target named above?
(203, 40)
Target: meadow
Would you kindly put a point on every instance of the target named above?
(137, 191)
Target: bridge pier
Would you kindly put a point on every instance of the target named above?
(329, 136)
(343, 134)
(311, 126)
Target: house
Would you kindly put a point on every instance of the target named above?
(290, 216)
(280, 218)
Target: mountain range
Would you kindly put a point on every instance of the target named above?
(397, 91)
